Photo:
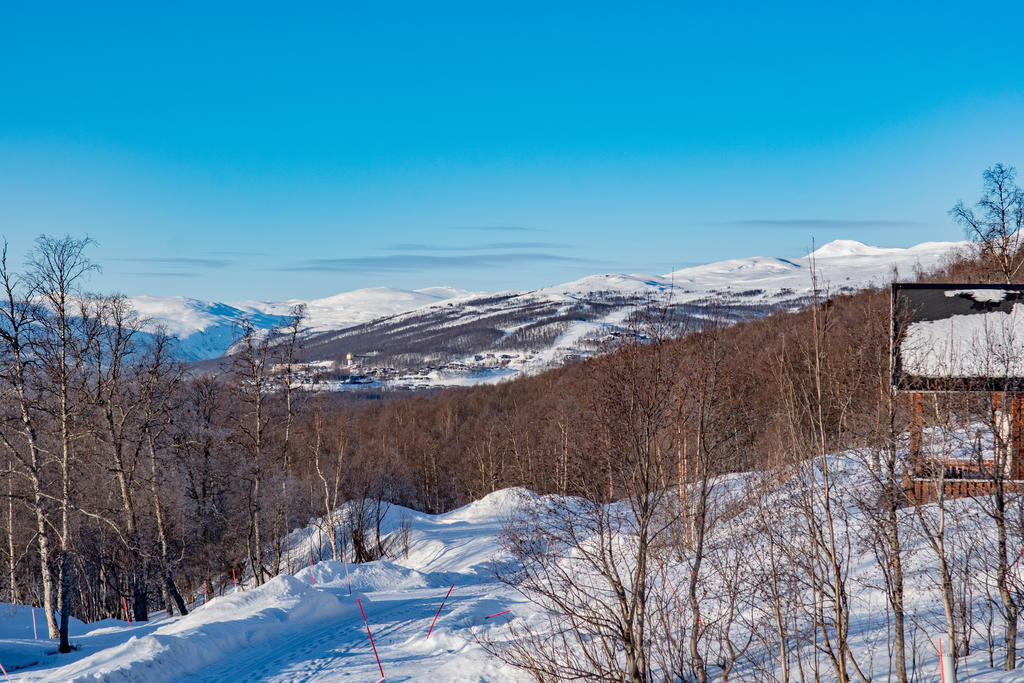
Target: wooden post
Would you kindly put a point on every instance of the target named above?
(916, 428)
(1013, 462)
(997, 450)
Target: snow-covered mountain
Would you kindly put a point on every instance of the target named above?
(839, 265)
(442, 335)
(206, 329)
(477, 339)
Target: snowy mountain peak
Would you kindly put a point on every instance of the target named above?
(733, 270)
(846, 248)
(444, 293)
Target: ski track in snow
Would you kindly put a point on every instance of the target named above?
(400, 598)
(340, 650)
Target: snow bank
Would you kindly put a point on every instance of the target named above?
(223, 628)
(19, 647)
(16, 622)
(372, 576)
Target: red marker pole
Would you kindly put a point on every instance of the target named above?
(676, 595)
(498, 614)
(206, 598)
(5, 672)
(371, 639)
(942, 669)
(233, 579)
(126, 614)
(311, 579)
(439, 609)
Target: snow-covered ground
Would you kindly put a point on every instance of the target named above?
(306, 625)
(289, 630)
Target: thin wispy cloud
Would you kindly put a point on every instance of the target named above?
(181, 261)
(497, 228)
(238, 253)
(822, 223)
(488, 246)
(664, 267)
(425, 262)
(177, 274)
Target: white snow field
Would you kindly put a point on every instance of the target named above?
(307, 627)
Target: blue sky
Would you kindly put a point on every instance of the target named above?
(255, 151)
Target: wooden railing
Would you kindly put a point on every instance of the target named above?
(924, 491)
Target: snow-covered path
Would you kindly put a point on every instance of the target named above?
(289, 630)
(399, 620)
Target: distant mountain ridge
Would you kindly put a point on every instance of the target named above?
(206, 329)
(445, 336)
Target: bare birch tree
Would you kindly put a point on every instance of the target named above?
(17, 327)
(997, 226)
(253, 383)
(57, 269)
